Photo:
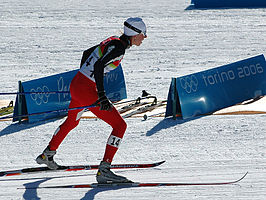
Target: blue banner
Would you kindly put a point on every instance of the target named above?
(228, 3)
(114, 85)
(214, 89)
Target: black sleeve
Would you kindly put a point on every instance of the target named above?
(113, 51)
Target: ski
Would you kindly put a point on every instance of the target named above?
(137, 184)
(145, 108)
(145, 99)
(75, 168)
(136, 104)
(7, 110)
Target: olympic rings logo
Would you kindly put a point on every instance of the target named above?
(189, 83)
(63, 87)
(40, 95)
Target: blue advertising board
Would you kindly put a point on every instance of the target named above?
(214, 89)
(228, 3)
(40, 102)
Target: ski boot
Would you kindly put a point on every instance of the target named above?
(105, 175)
(47, 158)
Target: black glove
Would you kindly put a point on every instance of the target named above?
(105, 104)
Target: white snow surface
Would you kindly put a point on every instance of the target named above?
(42, 38)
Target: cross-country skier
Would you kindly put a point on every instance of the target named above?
(87, 88)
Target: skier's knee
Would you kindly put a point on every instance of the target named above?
(123, 126)
(120, 127)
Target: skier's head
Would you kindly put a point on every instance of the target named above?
(135, 28)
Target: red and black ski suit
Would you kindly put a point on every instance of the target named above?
(84, 89)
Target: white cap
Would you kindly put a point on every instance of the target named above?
(134, 26)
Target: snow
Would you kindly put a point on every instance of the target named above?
(44, 38)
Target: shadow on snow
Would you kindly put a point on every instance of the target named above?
(31, 190)
(16, 127)
(168, 123)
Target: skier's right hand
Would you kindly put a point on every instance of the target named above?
(105, 104)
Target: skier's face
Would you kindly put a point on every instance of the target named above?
(137, 39)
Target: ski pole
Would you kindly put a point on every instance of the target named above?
(23, 93)
(47, 112)
(67, 109)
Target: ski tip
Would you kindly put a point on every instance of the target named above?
(240, 178)
(243, 176)
(159, 163)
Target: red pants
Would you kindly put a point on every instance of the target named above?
(84, 93)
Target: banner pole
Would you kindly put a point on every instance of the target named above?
(174, 99)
